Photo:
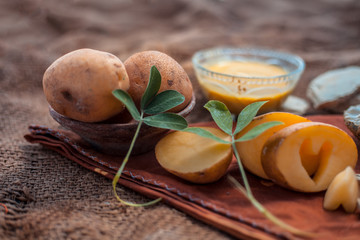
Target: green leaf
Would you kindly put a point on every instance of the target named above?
(126, 99)
(221, 115)
(204, 133)
(152, 87)
(247, 115)
(166, 120)
(256, 131)
(164, 101)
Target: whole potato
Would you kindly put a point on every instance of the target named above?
(173, 76)
(79, 85)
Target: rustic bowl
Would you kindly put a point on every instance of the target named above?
(115, 138)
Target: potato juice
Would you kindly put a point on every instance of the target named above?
(236, 95)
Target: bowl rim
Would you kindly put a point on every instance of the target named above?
(132, 123)
(250, 50)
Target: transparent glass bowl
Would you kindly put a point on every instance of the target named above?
(238, 91)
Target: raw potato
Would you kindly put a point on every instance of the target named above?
(250, 151)
(173, 76)
(343, 190)
(307, 156)
(194, 158)
(79, 85)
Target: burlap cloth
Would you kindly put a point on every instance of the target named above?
(50, 197)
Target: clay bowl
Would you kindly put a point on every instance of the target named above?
(114, 138)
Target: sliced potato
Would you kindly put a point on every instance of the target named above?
(307, 156)
(194, 158)
(343, 190)
(250, 151)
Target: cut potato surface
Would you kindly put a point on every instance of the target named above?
(343, 190)
(194, 158)
(307, 156)
(250, 151)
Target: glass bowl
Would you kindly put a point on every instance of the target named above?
(237, 91)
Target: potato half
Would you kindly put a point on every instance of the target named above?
(79, 85)
(307, 156)
(194, 158)
(250, 151)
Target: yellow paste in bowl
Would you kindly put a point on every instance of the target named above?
(247, 69)
(236, 96)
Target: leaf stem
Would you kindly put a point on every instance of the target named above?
(241, 167)
(248, 193)
(118, 174)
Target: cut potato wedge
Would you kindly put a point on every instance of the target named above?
(343, 190)
(307, 156)
(194, 158)
(250, 151)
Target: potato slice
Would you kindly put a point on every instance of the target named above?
(307, 156)
(250, 151)
(343, 190)
(194, 158)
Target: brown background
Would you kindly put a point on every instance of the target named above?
(50, 197)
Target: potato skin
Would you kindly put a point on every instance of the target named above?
(268, 161)
(173, 76)
(79, 85)
(209, 175)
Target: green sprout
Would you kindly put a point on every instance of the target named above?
(154, 106)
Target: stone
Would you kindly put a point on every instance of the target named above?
(295, 105)
(335, 90)
(352, 119)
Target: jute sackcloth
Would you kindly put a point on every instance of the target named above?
(50, 197)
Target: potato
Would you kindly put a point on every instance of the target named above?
(194, 158)
(307, 156)
(79, 85)
(343, 190)
(173, 76)
(250, 151)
